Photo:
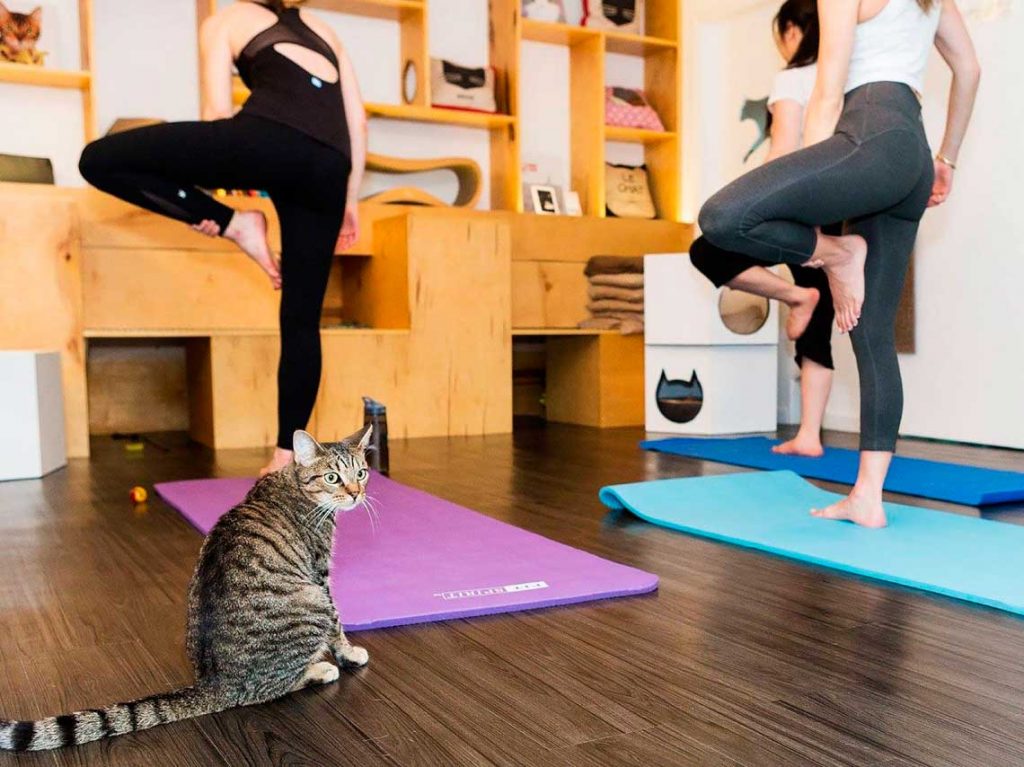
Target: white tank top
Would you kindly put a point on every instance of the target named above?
(894, 45)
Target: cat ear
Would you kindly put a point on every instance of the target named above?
(306, 448)
(4, 13)
(36, 17)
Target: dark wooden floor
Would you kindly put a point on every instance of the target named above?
(739, 659)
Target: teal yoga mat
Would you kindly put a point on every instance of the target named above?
(962, 557)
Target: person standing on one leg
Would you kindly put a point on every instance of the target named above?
(810, 301)
(301, 136)
(866, 161)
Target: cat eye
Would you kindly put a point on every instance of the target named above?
(331, 478)
(363, 475)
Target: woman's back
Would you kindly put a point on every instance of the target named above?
(894, 45)
(286, 61)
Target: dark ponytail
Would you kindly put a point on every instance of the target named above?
(802, 14)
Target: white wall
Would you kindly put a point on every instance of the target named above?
(146, 66)
(966, 380)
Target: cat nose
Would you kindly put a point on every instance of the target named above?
(353, 490)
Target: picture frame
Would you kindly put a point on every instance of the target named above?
(545, 200)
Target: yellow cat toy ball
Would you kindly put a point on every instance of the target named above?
(138, 494)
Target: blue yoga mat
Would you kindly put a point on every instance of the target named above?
(967, 485)
(962, 557)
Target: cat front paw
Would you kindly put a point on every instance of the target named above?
(353, 656)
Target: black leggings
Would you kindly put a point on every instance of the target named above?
(722, 267)
(875, 174)
(162, 168)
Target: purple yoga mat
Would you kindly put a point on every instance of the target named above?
(432, 560)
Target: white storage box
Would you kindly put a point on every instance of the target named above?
(681, 306)
(31, 414)
(710, 390)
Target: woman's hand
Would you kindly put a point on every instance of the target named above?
(943, 184)
(349, 228)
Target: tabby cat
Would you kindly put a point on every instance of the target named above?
(260, 613)
(19, 33)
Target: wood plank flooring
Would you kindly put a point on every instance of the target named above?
(740, 659)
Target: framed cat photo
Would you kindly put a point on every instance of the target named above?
(544, 10)
(545, 200)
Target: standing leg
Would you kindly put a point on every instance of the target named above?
(814, 356)
(308, 237)
(891, 242)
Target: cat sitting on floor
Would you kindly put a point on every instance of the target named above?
(19, 33)
(260, 615)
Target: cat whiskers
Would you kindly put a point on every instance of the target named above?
(372, 512)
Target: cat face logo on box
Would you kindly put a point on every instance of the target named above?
(616, 15)
(457, 87)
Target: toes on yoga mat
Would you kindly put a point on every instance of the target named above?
(963, 557)
(955, 483)
(431, 560)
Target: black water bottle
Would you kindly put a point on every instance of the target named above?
(376, 415)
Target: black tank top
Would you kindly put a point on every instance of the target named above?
(285, 92)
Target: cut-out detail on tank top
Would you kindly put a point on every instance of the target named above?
(290, 30)
(315, 64)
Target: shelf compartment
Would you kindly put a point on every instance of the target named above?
(437, 115)
(26, 74)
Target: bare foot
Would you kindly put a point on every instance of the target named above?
(248, 230)
(845, 271)
(809, 446)
(278, 461)
(862, 511)
(800, 313)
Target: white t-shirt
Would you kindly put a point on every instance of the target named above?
(794, 85)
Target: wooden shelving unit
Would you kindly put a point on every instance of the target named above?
(70, 79)
(659, 48)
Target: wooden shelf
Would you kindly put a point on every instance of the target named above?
(410, 112)
(556, 33)
(377, 9)
(561, 332)
(222, 332)
(636, 135)
(437, 115)
(637, 45)
(25, 74)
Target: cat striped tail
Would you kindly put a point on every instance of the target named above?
(119, 719)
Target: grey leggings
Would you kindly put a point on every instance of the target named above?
(876, 175)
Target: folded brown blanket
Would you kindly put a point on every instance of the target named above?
(611, 305)
(614, 265)
(618, 280)
(633, 295)
(628, 326)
